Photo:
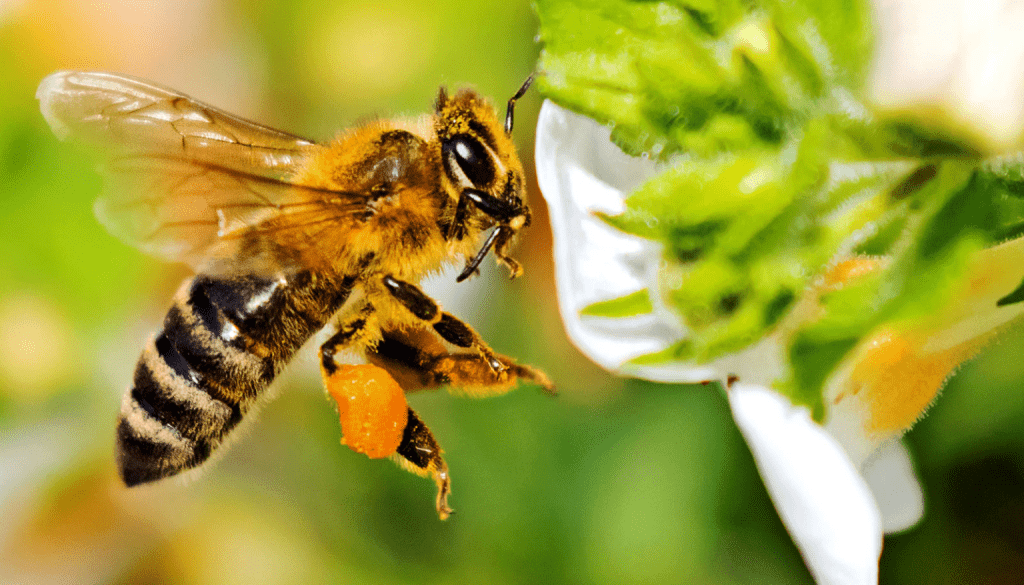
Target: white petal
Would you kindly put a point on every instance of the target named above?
(963, 58)
(581, 171)
(890, 475)
(822, 499)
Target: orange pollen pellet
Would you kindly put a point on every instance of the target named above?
(372, 409)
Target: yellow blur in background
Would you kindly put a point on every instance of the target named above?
(613, 482)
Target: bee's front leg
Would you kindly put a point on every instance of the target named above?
(349, 333)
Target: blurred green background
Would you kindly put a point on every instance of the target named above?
(615, 481)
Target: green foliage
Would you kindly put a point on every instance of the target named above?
(636, 303)
(776, 168)
(699, 77)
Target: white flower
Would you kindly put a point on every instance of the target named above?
(823, 498)
(840, 486)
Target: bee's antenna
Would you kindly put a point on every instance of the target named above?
(510, 110)
(442, 98)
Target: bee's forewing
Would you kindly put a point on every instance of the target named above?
(185, 181)
(133, 116)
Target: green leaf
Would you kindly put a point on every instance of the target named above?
(637, 303)
(749, 232)
(919, 280)
(700, 77)
(776, 169)
(680, 351)
(1014, 297)
(813, 361)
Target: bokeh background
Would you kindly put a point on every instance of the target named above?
(615, 481)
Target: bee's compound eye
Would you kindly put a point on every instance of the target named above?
(472, 158)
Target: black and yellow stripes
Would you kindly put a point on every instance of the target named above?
(222, 344)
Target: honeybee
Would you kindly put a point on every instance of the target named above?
(287, 236)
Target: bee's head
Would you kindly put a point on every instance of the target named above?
(482, 170)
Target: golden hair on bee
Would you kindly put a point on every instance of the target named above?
(286, 237)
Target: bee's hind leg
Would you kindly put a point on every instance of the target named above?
(375, 396)
(420, 454)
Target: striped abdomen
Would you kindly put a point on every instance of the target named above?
(223, 342)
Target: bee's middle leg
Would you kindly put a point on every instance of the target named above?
(450, 328)
(416, 363)
(416, 358)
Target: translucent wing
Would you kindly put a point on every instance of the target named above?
(187, 182)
